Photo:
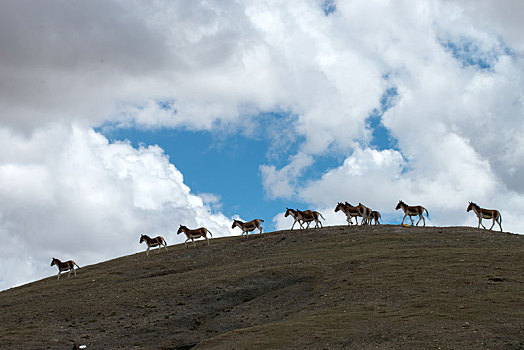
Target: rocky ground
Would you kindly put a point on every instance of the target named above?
(379, 287)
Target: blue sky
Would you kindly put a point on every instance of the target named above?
(246, 108)
(225, 166)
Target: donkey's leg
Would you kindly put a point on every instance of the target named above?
(59, 274)
(402, 223)
(492, 223)
(499, 221)
(480, 223)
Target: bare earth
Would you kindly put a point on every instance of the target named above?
(383, 287)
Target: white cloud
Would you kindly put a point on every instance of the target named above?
(70, 194)
(457, 123)
(282, 183)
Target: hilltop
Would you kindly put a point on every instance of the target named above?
(333, 288)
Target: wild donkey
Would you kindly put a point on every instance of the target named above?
(309, 216)
(365, 212)
(412, 211)
(294, 214)
(375, 215)
(248, 226)
(305, 216)
(349, 210)
(153, 242)
(64, 266)
(192, 234)
(486, 214)
(352, 211)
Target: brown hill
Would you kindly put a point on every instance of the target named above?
(334, 288)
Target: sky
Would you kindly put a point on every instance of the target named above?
(119, 118)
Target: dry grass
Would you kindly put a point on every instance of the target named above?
(334, 288)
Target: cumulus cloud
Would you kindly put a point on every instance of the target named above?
(457, 119)
(71, 194)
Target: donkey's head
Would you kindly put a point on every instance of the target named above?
(237, 223)
(181, 229)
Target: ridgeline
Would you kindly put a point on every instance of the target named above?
(363, 287)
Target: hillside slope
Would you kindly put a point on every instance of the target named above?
(333, 288)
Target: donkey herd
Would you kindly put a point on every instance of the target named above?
(303, 217)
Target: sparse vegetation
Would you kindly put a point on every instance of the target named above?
(333, 288)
